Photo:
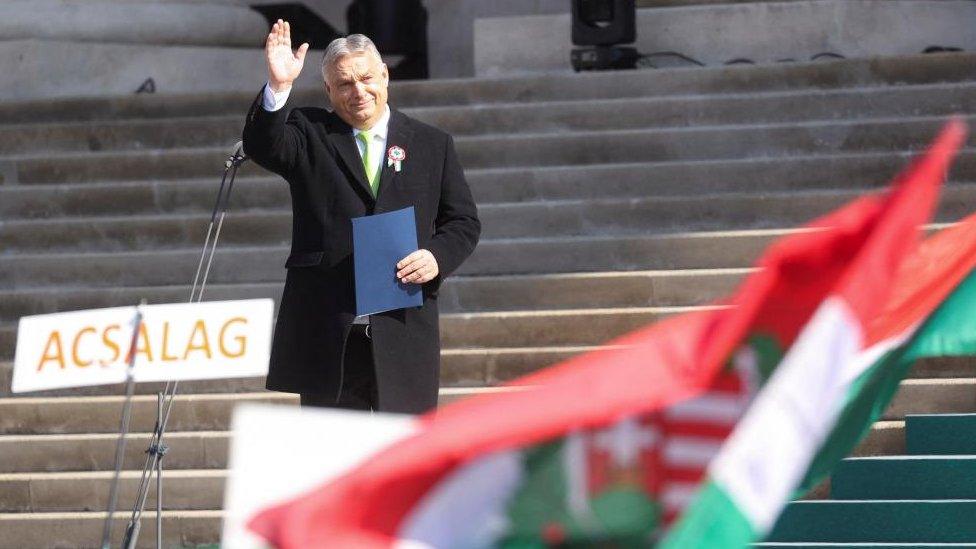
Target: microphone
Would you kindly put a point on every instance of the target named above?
(237, 155)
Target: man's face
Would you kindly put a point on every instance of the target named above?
(357, 88)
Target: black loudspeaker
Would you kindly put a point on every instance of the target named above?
(306, 25)
(604, 22)
(397, 27)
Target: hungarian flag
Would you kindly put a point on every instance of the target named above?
(608, 445)
(841, 373)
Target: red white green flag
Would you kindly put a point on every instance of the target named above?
(609, 445)
(841, 373)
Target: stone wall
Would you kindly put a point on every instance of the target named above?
(70, 48)
(218, 23)
(759, 32)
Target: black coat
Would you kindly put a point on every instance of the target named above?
(314, 150)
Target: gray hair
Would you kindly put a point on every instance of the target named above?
(352, 44)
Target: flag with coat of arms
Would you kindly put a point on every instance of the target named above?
(612, 445)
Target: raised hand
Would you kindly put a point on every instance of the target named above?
(284, 66)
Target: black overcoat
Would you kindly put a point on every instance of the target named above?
(314, 150)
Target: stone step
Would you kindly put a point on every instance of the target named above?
(945, 367)
(618, 217)
(187, 489)
(251, 265)
(457, 294)
(882, 478)
(96, 452)
(859, 521)
(209, 449)
(84, 529)
(941, 434)
(896, 70)
(933, 396)
(515, 118)
(595, 181)
(459, 368)
(631, 216)
(30, 494)
(905, 477)
(545, 328)
(664, 179)
(187, 449)
(212, 412)
(101, 414)
(565, 148)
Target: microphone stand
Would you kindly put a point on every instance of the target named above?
(164, 399)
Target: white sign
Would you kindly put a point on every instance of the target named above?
(216, 339)
(280, 452)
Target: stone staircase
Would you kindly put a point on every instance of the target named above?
(607, 200)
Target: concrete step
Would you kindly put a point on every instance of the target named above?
(460, 368)
(252, 265)
(885, 438)
(84, 529)
(457, 294)
(945, 367)
(187, 489)
(933, 396)
(212, 412)
(905, 477)
(96, 452)
(208, 449)
(722, 109)
(661, 179)
(101, 414)
(512, 328)
(30, 494)
(515, 118)
(855, 478)
(896, 70)
(548, 328)
(632, 216)
(859, 521)
(540, 149)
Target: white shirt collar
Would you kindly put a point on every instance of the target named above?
(379, 130)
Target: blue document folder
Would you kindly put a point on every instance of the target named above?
(379, 242)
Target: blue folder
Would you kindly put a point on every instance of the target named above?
(379, 242)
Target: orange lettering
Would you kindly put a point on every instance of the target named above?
(116, 351)
(74, 347)
(200, 328)
(142, 343)
(58, 355)
(167, 357)
(241, 340)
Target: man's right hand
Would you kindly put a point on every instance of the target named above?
(284, 66)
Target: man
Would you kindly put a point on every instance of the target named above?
(362, 158)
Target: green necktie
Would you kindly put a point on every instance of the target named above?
(367, 140)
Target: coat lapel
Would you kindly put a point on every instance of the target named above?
(345, 144)
(398, 135)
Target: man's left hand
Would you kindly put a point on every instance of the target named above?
(417, 268)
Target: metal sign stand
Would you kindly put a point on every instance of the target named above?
(164, 399)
